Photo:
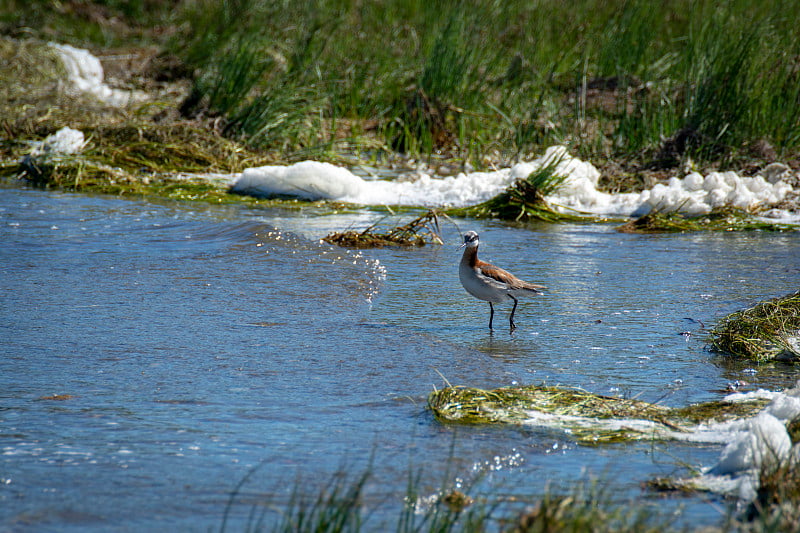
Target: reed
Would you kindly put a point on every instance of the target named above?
(227, 83)
(337, 507)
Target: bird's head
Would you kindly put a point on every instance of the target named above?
(471, 239)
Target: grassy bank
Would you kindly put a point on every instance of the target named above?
(657, 83)
(647, 86)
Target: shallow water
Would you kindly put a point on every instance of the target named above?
(200, 344)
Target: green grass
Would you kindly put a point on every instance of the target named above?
(650, 84)
(661, 82)
(105, 23)
(343, 504)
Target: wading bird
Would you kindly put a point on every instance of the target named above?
(487, 282)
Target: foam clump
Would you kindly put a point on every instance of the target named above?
(63, 142)
(309, 180)
(763, 439)
(698, 195)
(313, 180)
(86, 75)
(579, 190)
(753, 444)
(694, 194)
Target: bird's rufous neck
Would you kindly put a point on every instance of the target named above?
(470, 256)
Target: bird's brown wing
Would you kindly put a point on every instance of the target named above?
(503, 276)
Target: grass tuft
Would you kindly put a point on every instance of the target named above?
(524, 200)
(587, 508)
(775, 507)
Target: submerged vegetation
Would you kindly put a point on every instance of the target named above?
(595, 419)
(768, 331)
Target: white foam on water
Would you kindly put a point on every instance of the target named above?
(759, 441)
(313, 180)
(693, 194)
(750, 443)
(696, 194)
(86, 75)
(310, 180)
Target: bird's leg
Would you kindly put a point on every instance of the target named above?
(491, 314)
(511, 318)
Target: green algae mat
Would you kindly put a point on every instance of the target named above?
(587, 417)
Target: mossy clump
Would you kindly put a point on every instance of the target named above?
(768, 331)
(418, 232)
(719, 219)
(589, 418)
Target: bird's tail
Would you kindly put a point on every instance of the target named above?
(536, 289)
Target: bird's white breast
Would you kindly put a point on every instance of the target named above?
(480, 286)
